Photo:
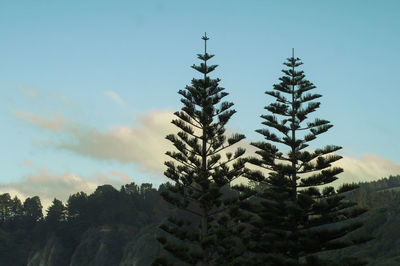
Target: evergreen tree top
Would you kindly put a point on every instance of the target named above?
(205, 38)
(203, 68)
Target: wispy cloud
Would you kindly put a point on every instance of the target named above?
(28, 163)
(29, 92)
(115, 97)
(55, 124)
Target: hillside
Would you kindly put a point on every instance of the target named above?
(118, 227)
(382, 199)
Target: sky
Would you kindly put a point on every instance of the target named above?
(88, 88)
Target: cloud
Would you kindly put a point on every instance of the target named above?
(28, 163)
(366, 168)
(29, 92)
(124, 177)
(143, 145)
(55, 124)
(115, 97)
(48, 185)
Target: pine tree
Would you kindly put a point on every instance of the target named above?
(5, 207)
(199, 170)
(56, 213)
(295, 218)
(33, 209)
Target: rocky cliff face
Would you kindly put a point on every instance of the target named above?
(50, 254)
(143, 249)
(101, 246)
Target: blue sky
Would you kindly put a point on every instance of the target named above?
(77, 72)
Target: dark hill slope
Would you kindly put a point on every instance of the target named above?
(118, 227)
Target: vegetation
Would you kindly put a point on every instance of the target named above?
(107, 217)
(130, 237)
(294, 220)
(199, 171)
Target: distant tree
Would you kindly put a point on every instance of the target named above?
(145, 188)
(11, 212)
(199, 171)
(393, 181)
(56, 213)
(5, 207)
(132, 189)
(17, 210)
(77, 206)
(105, 205)
(33, 209)
(295, 219)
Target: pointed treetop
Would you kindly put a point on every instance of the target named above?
(293, 61)
(205, 38)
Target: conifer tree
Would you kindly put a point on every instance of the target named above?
(56, 213)
(33, 209)
(295, 218)
(200, 170)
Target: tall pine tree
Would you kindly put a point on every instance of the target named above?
(298, 214)
(200, 170)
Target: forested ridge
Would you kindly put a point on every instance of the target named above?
(107, 217)
(125, 223)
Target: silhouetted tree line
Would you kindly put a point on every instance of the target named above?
(382, 193)
(23, 227)
(13, 212)
(106, 205)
